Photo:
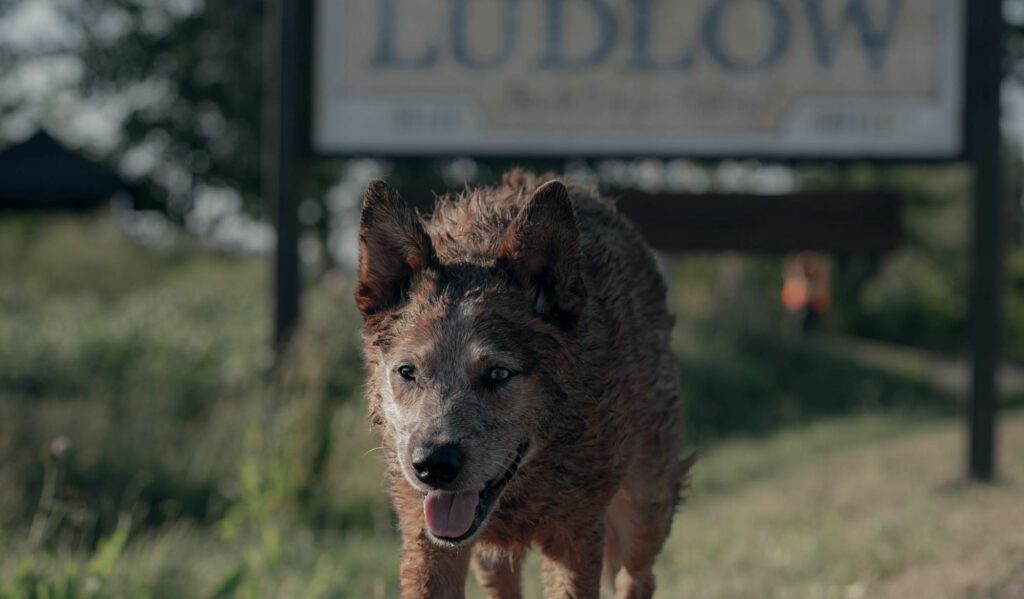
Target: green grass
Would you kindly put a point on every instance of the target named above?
(868, 507)
(148, 450)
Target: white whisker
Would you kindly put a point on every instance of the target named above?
(372, 450)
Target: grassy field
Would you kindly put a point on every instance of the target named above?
(868, 507)
(871, 506)
(147, 449)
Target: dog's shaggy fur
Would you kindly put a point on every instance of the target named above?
(526, 325)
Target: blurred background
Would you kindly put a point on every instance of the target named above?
(154, 444)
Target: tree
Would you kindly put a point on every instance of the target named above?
(187, 75)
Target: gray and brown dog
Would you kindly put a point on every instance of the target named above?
(518, 369)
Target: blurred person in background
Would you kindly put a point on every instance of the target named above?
(805, 291)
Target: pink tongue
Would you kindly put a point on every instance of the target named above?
(449, 514)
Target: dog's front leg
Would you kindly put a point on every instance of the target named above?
(571, 566)
(432, 572)
(499, 571)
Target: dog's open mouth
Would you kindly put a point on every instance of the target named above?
(455, 517)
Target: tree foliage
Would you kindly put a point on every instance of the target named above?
(187, 77)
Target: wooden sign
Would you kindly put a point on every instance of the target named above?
(775, 78)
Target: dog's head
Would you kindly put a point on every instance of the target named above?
(464, 355)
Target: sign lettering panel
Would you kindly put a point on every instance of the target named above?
(803, 78)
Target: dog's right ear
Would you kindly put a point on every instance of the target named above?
(540, 251)
(393, 247)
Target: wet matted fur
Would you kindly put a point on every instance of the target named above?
(524, 328)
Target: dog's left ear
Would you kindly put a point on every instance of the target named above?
(393, 248)
(541, 253)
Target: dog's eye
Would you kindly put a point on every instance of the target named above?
(407, 372)
(498, 375)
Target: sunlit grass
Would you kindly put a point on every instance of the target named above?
(869, 507)
(193, 470)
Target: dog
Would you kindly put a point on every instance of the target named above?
(518, 370)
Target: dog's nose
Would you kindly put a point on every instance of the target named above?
(437, 464)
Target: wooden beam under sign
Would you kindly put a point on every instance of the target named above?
(836, 221)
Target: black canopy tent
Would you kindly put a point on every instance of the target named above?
(40, 173)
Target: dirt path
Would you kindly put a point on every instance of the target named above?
(950, 374)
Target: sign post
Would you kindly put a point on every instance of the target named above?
(984, 76)
(285, 127)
